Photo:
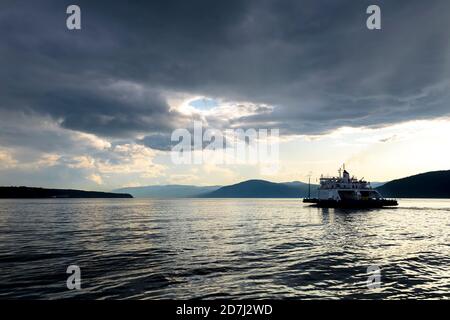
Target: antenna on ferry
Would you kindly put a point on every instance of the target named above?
(309, 185)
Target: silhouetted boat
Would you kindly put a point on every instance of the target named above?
(348, 192)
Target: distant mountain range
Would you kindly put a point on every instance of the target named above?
(377, 184)
(262, 189)
(434, 184)
(427, 185)
(168, 191)
(246, 189)
(37, 193)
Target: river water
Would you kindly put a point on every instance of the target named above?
(223, 248)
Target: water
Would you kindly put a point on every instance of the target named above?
(222, 248)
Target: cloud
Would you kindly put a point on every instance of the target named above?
(130, 158)
(315, 61)
(100, 98)
(7, 160)
(95, 178)
(81, 162)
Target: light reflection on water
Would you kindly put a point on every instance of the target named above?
(222, 248)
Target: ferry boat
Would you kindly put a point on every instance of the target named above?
(348, 192)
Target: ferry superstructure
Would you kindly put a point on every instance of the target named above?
(347, 191)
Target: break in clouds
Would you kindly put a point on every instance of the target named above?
(305, 67)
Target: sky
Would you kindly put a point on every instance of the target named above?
(96, 108)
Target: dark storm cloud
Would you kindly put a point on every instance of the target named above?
(157, 141)
(314, 61)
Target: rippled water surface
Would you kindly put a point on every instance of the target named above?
(222, 248)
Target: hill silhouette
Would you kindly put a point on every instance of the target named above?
(36, 193)
(435, 184)
(262, 189)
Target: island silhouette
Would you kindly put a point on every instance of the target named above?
(36, 193)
